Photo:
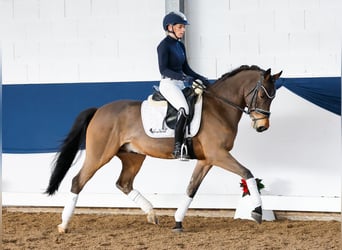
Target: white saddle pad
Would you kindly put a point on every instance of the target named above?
(153, 114)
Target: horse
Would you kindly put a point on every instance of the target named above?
(116, 129)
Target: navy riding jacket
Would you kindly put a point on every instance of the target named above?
(172, 60)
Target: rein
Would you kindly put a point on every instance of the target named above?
(222, 99)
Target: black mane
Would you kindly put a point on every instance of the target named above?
(238, 70)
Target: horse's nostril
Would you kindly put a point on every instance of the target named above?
(261, 128)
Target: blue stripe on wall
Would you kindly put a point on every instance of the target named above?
(37, 117)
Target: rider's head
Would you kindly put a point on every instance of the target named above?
(174, 23)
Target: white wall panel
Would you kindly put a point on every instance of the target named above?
(243, 4)
(77, 8)
(44, 36)
(28, 9)
(288, 30)
(263, 23)
(274, 4)
(244, 44)
(6, 10)
(93, 28)
(102, 49)
(306, 4)
(105, 8)
(64, 29)
(38, 30)
(25, 52)
(50, 10)
(16, 71)
(13, 30)
(51, 51)
(274, 44)
(303, 43)
(62, 72)
(206, 64)
(329, 42)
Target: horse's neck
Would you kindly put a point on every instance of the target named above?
(232, 90)
(234, 87)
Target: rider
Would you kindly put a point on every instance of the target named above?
(175, 70)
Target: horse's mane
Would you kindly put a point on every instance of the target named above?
(238, 70)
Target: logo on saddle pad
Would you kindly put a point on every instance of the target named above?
(159, 117)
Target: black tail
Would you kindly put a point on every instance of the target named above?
(69, 149)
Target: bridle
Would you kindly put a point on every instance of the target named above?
(252, 105)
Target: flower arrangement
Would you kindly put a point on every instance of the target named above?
(244, 187)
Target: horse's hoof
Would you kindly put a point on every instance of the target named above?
(257, 214)
(178, 228)
(152, 218)
(61, 229)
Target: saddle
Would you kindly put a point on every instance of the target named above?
(171, 113)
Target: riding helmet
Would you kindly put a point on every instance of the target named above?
(174, 18)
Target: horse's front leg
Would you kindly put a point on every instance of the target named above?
(197, 177)
(228, 162)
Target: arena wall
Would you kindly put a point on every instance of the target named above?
(69, 42)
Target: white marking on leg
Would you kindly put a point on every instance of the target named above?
(141, 201)
(254, 193)
(182, 209)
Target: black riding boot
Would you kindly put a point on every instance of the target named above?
(179, 151)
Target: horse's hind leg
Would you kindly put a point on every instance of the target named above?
(131, 164)
(78, 182)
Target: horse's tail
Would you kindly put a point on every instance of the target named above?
(69, 149)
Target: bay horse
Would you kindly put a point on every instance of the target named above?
(116, 129)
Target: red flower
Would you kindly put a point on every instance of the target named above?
(245, 190)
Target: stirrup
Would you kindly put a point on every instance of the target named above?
(182, 154)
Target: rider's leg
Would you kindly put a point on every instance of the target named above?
(172, 91)
(179, 135)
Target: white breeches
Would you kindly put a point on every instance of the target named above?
(172, 91)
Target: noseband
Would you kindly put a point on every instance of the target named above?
(251, 107)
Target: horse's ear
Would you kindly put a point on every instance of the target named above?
(276, 76)
(267, 74)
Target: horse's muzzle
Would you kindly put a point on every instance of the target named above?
(261, 129)
(260, 122)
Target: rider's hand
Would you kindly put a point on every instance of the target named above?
(198, 86)
(198, 83)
